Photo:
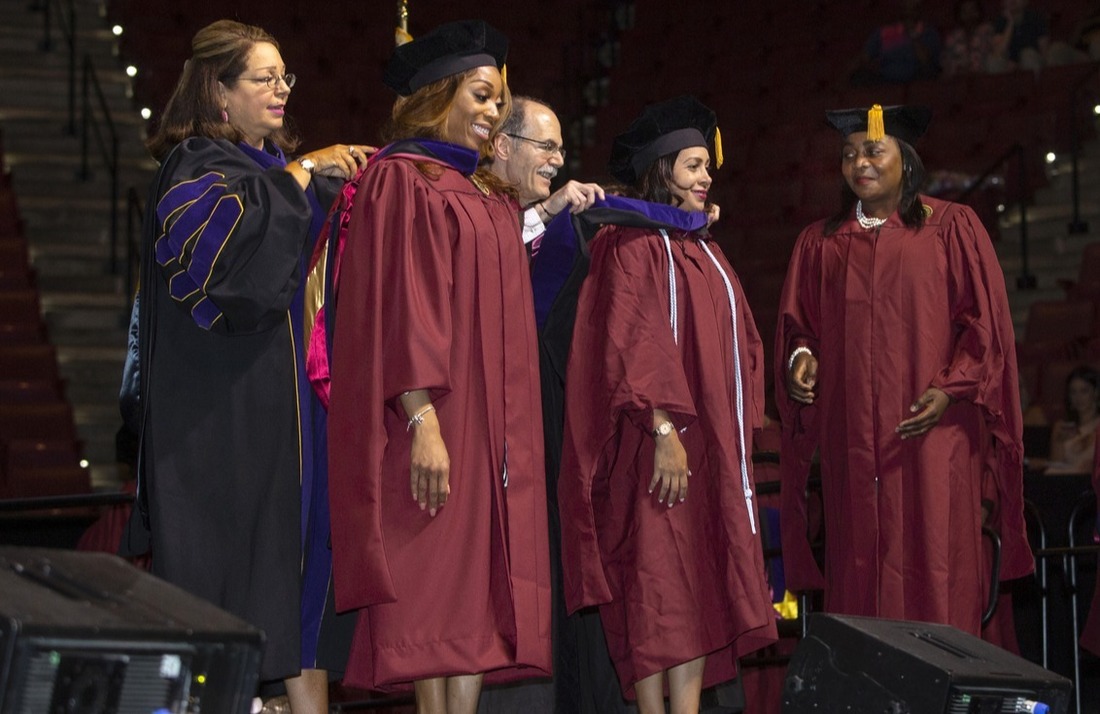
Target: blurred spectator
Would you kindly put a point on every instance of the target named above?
(967, 47)
(1022, 41)
(1086, 36)
(1073, 439)
(901, 51)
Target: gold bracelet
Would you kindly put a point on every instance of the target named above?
(418, 418)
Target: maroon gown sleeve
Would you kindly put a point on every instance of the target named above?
(392, 334)
(623, 364)
(983, 371)
(799, 326)
(754, 351)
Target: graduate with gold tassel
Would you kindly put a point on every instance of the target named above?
(895, 356)
(664, 388)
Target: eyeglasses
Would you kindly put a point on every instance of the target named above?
(272, 81)
(548, 146)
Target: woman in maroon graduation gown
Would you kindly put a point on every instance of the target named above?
(664, 389)
(435, 437)
(895, 355)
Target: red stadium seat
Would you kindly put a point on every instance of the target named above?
(49, 421)
(28, 362)
(44, 481)
(1059, 320)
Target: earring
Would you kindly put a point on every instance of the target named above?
(225, 116)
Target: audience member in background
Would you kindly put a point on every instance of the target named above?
(1021, 40)
(895, 355)
(901, 51)
(966, 48)
(226, 445)
(1073, 439)
(1086, 35)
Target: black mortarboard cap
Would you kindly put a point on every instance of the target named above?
(907, 123)
(448, 49)
(663, 128)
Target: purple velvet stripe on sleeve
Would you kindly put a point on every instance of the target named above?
(196, 219)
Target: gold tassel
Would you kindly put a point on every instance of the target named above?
(401, 32)
(504, 74)
(876, 130)
(718, 157)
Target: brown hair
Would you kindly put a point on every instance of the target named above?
(655, 183)
(423, 115)
(219, 53)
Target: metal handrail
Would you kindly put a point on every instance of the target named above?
(1025, 280)
(109, 154)
(1076, 226)
(1086, 504)
(67, 25)
(994, 574)
(1032, 511)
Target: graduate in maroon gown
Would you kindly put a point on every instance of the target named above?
(664, 389)
(895, 357)
(435, 438)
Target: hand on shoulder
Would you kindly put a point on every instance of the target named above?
(575, 196)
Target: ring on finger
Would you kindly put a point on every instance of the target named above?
(351, 150)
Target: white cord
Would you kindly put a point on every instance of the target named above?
(672, 312)
(740, 393)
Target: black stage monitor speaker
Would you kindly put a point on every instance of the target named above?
(87, 633)
(863, 665)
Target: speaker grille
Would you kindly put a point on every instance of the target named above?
(89, 681)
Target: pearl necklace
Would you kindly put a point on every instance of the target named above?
(864, 221)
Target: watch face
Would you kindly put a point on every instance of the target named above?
(665, 429)
(307, 164)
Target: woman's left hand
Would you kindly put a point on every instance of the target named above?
(713, 211)
(670, 470)
(930, 408)
(341, 160)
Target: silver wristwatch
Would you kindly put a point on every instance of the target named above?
(663, 429)
(307, 164)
